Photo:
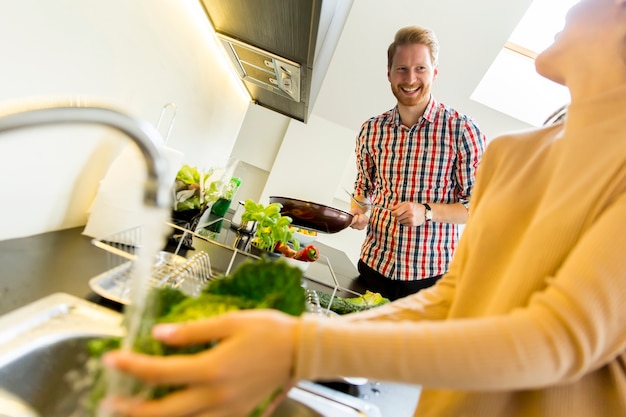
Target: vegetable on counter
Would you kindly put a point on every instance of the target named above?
(348, 305)
(253, 284)
(307, 254)
(286, 250)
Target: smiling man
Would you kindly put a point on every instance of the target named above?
(418, 161)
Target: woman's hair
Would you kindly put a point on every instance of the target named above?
(414, 34)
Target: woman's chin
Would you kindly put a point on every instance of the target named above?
(544, 67)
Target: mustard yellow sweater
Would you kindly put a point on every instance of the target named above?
(531, 318)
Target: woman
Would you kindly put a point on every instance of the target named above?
(529, 320)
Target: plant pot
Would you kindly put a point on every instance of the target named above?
(187, 219)
(256, 251)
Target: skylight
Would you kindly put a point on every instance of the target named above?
(511, 85)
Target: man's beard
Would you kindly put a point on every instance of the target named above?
(423, 95)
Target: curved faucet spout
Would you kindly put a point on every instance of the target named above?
(144, 135)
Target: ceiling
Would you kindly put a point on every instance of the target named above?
(471, 33)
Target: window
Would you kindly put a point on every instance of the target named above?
(511, 85)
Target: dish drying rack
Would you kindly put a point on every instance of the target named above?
(228, 254)
(210, 260)
(169, 269)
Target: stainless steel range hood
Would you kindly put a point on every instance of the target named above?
(279, 48)
(264, 69)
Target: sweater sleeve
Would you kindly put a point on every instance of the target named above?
(429, 304)
(572, 326)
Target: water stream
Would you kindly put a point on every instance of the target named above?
(153, 239)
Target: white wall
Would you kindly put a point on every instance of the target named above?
(313, 163)
(310, 161)
(134, 55)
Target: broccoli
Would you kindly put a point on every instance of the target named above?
(341, 305)
(253, 284)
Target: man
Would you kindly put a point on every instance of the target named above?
(416, 166)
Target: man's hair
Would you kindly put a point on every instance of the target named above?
(414, 34)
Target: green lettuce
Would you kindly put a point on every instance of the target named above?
(254, 284)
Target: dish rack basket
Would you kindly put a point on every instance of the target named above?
(169, 269)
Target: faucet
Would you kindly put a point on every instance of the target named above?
(146, 137)
(156, 189)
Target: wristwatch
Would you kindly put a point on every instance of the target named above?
(428, 214)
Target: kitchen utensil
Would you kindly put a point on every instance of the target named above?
(169, 270)
(313, 216)
(362, 204)
(171, 124)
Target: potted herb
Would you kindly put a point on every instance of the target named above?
(271, 226)
(195, 190)
(195, 193)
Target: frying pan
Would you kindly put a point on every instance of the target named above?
(313, 216)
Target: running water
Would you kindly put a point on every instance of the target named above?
(153, 239)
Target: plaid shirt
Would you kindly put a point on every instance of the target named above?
(434, 161)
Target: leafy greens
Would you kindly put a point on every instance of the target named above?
(254, 284)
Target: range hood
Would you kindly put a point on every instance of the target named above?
(280, 49)
(263, 68)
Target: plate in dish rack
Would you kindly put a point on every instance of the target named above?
(114, 284)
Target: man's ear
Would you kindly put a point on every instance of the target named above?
(436, 70)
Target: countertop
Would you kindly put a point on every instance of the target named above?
(64, 261)
(36, 266)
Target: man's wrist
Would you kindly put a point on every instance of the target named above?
(428, 212)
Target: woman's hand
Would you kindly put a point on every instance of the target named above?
(254, 358)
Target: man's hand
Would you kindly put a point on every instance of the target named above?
(414, 214)
(359, 207)
(409, 213)
(359, 221)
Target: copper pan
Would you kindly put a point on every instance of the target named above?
(313, 216)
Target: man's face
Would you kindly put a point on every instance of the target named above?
(411, 74)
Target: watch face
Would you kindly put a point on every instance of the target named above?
(429, 213)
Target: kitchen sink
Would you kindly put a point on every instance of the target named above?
(43, 356)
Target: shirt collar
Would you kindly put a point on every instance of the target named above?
(429, 112)
(431, 109)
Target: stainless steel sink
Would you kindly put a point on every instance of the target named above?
(43, 356)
